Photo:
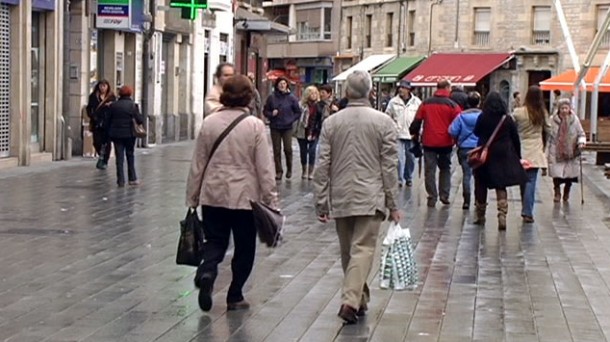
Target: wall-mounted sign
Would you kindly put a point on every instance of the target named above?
(113, 14)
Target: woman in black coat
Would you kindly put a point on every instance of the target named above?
(120, 123)
(503, 167)
(97, 109)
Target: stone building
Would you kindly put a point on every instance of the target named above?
(528, 30)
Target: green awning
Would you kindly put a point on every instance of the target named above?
(396, 69)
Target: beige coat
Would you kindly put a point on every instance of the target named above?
(240, 170)
(356, 174)
(565, 168)
(212, 100)
(532, 146)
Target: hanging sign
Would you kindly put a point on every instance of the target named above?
(113, 14)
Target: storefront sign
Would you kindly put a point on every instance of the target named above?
(48, 5)
(113, 14)
(437, 78)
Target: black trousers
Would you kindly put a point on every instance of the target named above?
(124, 147)
(101, 144)
(218, 224)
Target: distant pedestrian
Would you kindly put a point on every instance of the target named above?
(239, 171)
(356, 184)
(283, 110)
(503, 168)
(462, 129)
(327, 101)
(224, 71)
(121, 118)
(308, 130)
(97, 109)
(459, 96)
(533, 124)
(436, 114)
(402, 109)
(566, 141)
(516, 103)
(256, 106)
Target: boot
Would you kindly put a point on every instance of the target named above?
(304, 172)
(100, 164)
(502, 211)
(557, 194)
(310, 172)
(480, 213)
(566, 192)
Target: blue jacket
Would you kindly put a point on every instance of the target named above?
(288, 107)
(462, 128)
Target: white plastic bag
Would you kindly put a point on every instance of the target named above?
(398, 268)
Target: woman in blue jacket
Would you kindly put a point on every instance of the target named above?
(462, 129)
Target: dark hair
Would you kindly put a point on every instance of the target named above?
(96, 89)
(125, 91)
(280, 79)
(474, 99)
(221, 66)
(443, 84)
(494, 105)
(326, 87)
(534, 102)
(237, 91)
(557, 92)
(515, 94)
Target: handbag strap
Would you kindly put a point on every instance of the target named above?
(223, 135)
(495, 132)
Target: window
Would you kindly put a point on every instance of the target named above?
(482, 26)
(601, 15)
(309, 24)
(349, 30)
(541, 28)
(328, 15)
(369, 30)
(389, 23)
(411, 27)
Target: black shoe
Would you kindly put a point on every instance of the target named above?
(205, 292)
(278, 176)
(409, 183)
(431, 203)
(288, 174)
(348, 314)
(466, 206)
(100, 164)
(241, 305)
(445, 201)
(362, 310)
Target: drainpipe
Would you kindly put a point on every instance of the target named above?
(456, 43)
(146, 66)
(595, 97)
(434, 2)
(63, 140)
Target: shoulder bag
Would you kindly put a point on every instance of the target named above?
(138, 129)
(478, 156)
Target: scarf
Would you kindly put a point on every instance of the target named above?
(565, 150)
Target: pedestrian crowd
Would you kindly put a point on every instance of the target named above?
(356, 157)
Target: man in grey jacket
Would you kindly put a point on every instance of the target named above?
(356, 184)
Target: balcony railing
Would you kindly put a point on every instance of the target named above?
(481, 38)
(307, 35)
(541, 37)
(277, 39)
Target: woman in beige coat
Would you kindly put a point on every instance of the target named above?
(533, 125)
(566, 140)
(240, 170)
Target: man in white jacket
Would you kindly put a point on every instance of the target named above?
(402, 109)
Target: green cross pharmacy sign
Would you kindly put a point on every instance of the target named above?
(189, 7)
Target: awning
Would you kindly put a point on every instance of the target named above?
(396, 69)
(460, 68)
(248, 21)
(565, 81)
(367, 64)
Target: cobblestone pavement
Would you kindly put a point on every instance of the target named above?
(82, 260)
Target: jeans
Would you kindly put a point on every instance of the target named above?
(432, 160)
(406, 161)
(218, 224)
(528, 193)
(308, 151)
(279, 137)
(124, 147)
(466, 172)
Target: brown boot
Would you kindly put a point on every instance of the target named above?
(304, 171)
(480, 213)
(557, 194)
(502, 211)
(566, 192)
(310, 172)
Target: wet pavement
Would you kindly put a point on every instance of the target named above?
(82, 260)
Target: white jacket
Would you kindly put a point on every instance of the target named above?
(403, 114)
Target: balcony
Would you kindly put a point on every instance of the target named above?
(481, 38)
(279, 46)
(541, 37)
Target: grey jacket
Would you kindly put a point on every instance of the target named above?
(356, 174)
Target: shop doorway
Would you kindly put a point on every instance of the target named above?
(534, 78)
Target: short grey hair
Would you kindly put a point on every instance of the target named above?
(358, 85)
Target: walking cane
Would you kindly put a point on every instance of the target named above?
(582, 186)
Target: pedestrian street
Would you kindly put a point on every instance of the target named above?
(83, 260)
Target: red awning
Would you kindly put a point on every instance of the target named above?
(460, 68)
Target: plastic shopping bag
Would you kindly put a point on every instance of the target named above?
(398, 268)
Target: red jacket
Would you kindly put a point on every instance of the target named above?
(437, 114)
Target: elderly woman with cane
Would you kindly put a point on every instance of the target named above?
(566, 141)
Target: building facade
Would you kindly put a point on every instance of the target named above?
(529, 29)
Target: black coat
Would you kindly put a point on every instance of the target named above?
(120, 118)
(503, 167)
(98, 114)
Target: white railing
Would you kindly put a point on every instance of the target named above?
(481, 38)
(541, 37)
(306, 34)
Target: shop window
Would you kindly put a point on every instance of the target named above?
(601, 15)
(482, 26)
(369, 30)
(411, 27)
(328, 16)
(541, 27)
(349, 29)
(389, 38)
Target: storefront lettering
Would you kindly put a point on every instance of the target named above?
(437, 78)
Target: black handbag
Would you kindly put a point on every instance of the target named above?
(268, 222)
(190, 245)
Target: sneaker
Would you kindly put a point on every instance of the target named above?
(409, 183)
(527, 219)
(134, 183)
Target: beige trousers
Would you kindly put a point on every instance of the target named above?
(358, 241)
